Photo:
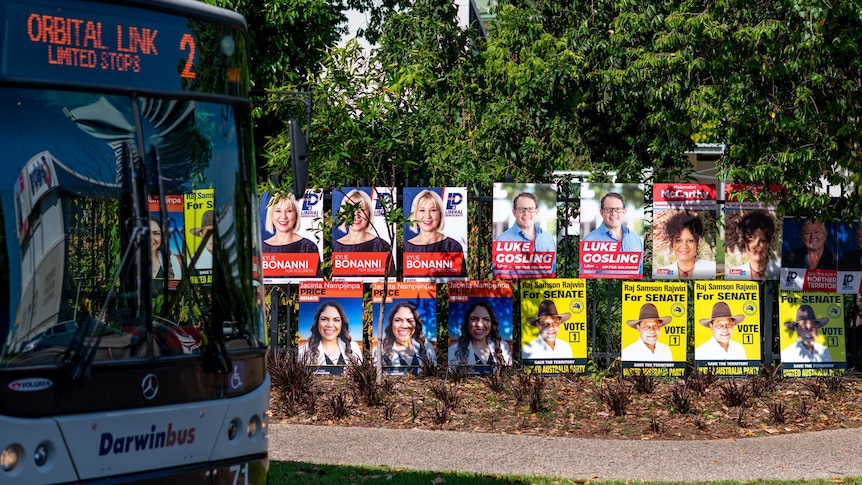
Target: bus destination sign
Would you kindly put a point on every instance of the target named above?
(112, 45)
(85, 43)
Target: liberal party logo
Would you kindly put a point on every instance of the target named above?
(310, 200)
(791, 276)
(453, 200)
(848, 281)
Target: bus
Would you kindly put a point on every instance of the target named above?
(132, 337)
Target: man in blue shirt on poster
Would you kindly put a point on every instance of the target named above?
(525, 206)
(612, 229)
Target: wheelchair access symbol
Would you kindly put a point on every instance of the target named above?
(235, 382)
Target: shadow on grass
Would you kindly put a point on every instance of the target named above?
(290, 472)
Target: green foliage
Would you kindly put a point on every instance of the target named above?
(607, 87)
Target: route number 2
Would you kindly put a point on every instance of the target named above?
(188, 42)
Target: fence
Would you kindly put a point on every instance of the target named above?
(604, 296)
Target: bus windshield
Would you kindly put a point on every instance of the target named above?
(98, 260)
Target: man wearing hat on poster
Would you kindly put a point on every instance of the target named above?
(205, 260)
(720, 347)
(806, 348)
(648, 348)
(546, 345)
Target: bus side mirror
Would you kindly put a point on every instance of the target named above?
(298, 158)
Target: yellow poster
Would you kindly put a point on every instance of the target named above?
(811, 329)
(727, 327)
(554, 326)
(654, 328)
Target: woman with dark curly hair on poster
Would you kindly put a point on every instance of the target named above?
(683, 232)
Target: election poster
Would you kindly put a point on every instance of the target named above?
(435, 233)
(199, 222)
(850, 258)
(480, 325)
(612, 229)
(362, 245)
(291, 230)
(525, 231)
(409, 327)
(654, 331)
(752, 233)
(808, 261)
(326, 311)
(166, 240)
(684, 231)
(554, 326)
(811, 332)
(727, 328)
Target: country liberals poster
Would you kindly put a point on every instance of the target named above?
(480, 325)
(330, 324)
(292, 239)
(362, 246)
(808, 261)
(752, 233)
(435, 233)
(850, 258)
(684, 231)
(409, 328)
(727, 328)
(654, 332)
(554, 326)
(525, 231)
(811, 328)
(612, 226)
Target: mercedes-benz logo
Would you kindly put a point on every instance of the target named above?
(150, 386)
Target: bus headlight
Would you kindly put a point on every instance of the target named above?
(10, 457)
(232, 428)
(40, 456)
(253, 426)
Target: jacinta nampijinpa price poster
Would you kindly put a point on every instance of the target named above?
(330, 324)
(171, 226)
(811, 329)
(808, 249)
(480, 324)
(727, 327)
(654, 328)
(554, 326)
(409, 326)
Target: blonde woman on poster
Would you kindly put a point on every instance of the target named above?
(720, 346)
(282, 220)
(546, 345)
(647, 348)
